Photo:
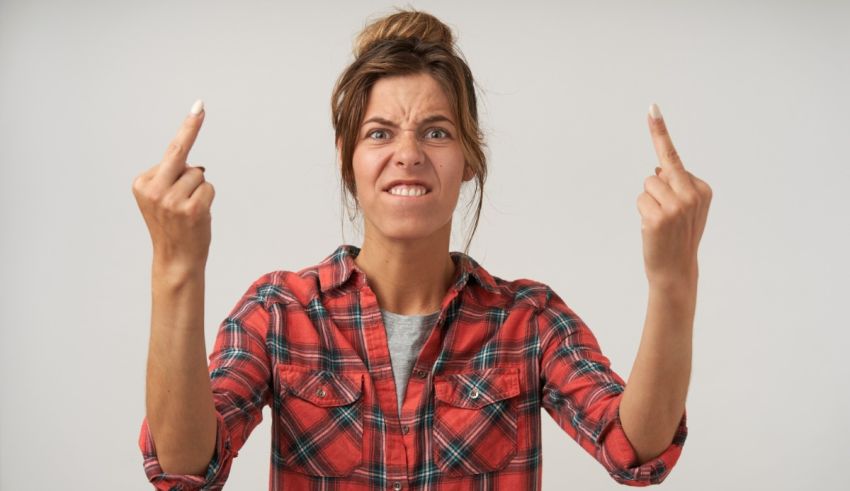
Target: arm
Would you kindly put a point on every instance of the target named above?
(179, 400)
(674, 209)
(198, 416)
(175, 201)
(238, 379)
(636, 432)
(654, 399)
(583, 394)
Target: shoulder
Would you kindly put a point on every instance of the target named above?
(521, 292)
(286, 287)
(513, 293)
(545, 309)
(328, 277)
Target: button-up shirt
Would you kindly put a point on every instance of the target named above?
(312, 344)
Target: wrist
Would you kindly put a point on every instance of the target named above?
(674, 286)
(683, 281)
(176, 273)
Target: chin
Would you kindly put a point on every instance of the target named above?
(410, 230)
(407, 233)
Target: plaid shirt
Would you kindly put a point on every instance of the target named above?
(312, 344)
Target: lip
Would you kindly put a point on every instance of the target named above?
(408, 182)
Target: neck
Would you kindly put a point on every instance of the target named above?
(409, 277)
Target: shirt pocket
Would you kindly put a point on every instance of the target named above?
(321, 420)
(475, 420)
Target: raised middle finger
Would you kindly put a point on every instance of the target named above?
(174, 161)
(664, 149)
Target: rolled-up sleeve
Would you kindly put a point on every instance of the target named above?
(582, 394)
(241, 384)
(214, 477)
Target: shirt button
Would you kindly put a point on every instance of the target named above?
(474, 394)
(421, 373)
(320, 392)
(405, 429)
(396, 485)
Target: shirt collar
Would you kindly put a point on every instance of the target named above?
(337, 268)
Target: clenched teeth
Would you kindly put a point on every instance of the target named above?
(408, 190)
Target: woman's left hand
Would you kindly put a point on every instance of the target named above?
(673, 209)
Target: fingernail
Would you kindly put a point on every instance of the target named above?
(654, 111)
(657, 170)
(197, 107)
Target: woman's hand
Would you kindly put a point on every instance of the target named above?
(673, 209)
(175, 201)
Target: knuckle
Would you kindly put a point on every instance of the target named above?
(690, 199)
(137, 185)
(170, 204)
(196, 210)
(675, 210)
(190, 209)
(175, 147)
(651, 222)
(157, 196)
(153, 195)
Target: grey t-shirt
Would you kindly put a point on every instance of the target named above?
(406, 334)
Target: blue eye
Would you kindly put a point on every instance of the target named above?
(373, 132)
(439, 131)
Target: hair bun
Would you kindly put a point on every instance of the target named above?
(404, 24)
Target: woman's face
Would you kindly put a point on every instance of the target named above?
(408, 136)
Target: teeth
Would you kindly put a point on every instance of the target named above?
(408, 190)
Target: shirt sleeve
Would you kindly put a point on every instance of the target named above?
(583, 394)
(240, 379)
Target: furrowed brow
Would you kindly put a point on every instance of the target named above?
(386, 122)
(435, 118)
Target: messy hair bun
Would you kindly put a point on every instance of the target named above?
(404, 24)
(405, 43)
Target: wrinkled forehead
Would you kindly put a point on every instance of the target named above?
(407, 98)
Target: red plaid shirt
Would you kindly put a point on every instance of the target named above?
(312, 344)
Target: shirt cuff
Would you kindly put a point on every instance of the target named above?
(625, 468)
(216, 473)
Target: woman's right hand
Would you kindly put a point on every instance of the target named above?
(175, 202)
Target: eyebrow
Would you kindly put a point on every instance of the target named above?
(387, 122)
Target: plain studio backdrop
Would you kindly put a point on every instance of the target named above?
(755, 97)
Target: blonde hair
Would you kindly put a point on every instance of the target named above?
(404, 43)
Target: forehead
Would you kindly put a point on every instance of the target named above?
(404, 96)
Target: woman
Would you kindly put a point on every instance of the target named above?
(398, 364)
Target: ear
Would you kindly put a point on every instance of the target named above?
(468, 173)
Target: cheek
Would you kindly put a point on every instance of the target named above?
(451, 170)
(365, 175)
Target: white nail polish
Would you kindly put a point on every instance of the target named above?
(654, 111)
(197, 107)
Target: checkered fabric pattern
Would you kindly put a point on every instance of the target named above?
(312, 345)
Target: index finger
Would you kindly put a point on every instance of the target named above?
(174, 160)
(664, 149)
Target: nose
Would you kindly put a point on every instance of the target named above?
(409, 151)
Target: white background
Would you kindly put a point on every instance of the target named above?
(755, 96)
